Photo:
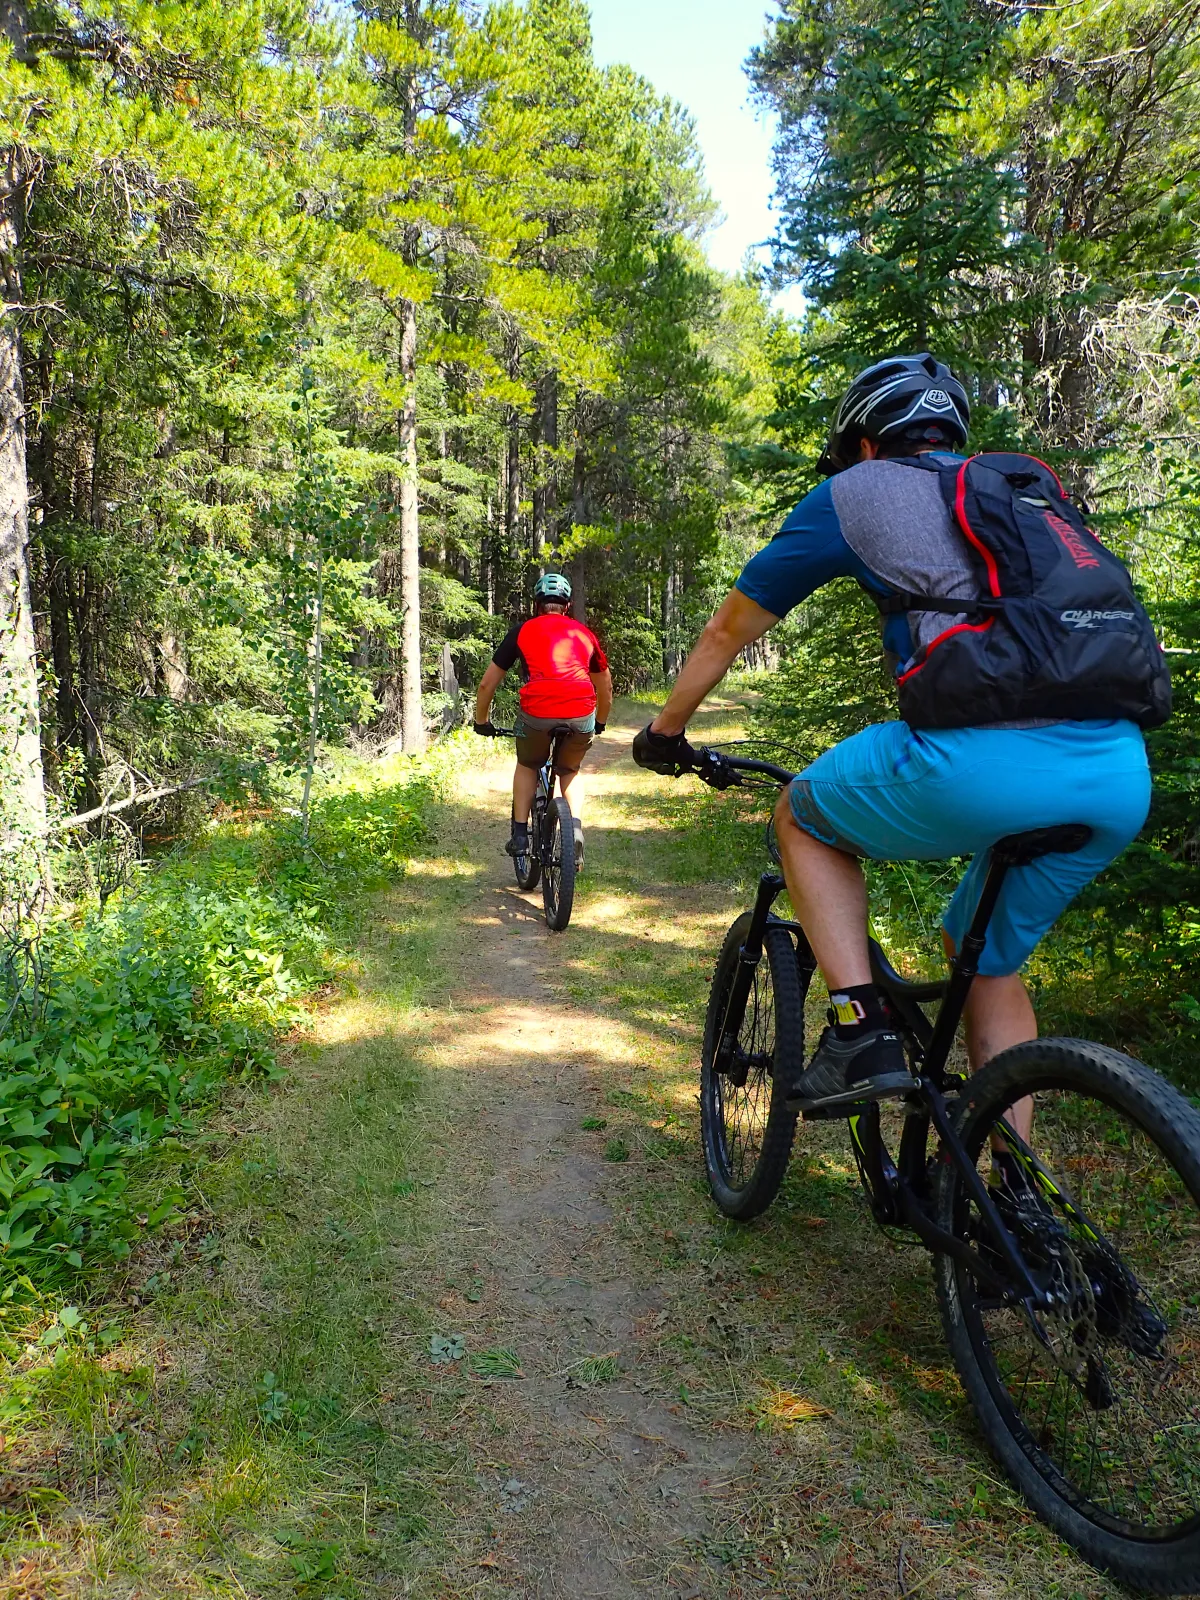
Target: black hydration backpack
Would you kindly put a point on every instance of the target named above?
(1060, 633)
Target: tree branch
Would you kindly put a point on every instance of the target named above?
(142, 799)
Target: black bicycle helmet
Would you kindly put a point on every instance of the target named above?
(911, 399)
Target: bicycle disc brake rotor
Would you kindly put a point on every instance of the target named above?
(1069, 1331)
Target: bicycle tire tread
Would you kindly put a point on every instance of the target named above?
(1152, 1566)
(751, 1199)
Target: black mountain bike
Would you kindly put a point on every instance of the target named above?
(551, 841)
(1067, 1267)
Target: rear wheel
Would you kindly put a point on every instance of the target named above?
(1092, 1408)
(746, 1127)
(558, 863)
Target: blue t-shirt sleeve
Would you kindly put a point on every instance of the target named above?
(807, 552)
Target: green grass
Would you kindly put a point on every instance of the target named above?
(251, 1409)
(243, 1406)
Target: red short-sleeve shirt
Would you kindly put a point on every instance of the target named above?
(556, 654)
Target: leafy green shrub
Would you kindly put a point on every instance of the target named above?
(146, 1006)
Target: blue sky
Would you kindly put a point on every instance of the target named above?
(693, 50)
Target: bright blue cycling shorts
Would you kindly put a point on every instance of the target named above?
(894, 794)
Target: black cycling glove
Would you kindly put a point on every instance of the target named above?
(668, 753)
(600, 727)
(486, 729)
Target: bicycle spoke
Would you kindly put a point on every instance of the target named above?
(745, 1108)
(1105, 1385)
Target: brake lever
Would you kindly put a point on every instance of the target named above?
(713, 770)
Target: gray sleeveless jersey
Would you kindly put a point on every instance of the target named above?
(894, 518)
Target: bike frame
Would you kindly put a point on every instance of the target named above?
(544, 793)
(898, 1192)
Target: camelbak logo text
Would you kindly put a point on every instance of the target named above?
(1073, 544)
(1089, 619)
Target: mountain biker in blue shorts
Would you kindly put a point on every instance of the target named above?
(898, 792)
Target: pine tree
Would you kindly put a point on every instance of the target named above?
(894, 224)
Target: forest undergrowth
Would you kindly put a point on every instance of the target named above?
(315, 1378)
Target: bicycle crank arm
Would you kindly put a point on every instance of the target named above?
(916, 1217)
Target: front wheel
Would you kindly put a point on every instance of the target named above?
(558, 864)
(1093, 1407)
(746, 1126)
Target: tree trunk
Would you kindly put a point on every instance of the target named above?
(512, 516)
(545, 494)
(22, 790)
(579, 516)
(172, 652)
(412, 715)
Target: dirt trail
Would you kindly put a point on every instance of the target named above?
(707, 1411)
(612, 1490)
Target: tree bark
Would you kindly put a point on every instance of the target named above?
(545, 494)
(411, 712)
(22, 788)
(512, 515)
(579, 516)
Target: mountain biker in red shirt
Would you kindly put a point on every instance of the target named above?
(565, 682)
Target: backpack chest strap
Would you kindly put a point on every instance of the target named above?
(900, 604)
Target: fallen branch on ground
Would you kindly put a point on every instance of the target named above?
(111, 810)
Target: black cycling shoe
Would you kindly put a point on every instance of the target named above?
(845, 1072)
(518, 845)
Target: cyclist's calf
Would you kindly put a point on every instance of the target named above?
(829, 896)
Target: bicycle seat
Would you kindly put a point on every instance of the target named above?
(1019, 849)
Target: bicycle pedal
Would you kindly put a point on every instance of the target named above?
(894, 1086)
(820, 1112)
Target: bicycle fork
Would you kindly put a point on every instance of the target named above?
(770, 885)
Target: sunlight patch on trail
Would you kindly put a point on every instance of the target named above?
(443, 867)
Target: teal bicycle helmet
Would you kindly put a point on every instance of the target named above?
(552, 586)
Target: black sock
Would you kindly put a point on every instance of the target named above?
(520, 829)
(860, 1006)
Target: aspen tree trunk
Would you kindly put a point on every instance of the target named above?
(545, 495)
(22, 790)
(412, 717)
(512, 516)
(579, 588)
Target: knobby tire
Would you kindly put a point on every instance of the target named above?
(1093, 1409)
(747, 1129)
(558, 864)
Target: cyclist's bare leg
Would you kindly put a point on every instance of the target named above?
(524, 789)
(829, 896)
(573, 792)
(999, 1013)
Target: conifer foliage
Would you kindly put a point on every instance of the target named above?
(423, 252)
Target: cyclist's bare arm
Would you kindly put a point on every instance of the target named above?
(488, 684)
(602, 683)
(738, 623)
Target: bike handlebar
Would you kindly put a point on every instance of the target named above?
(722, 772)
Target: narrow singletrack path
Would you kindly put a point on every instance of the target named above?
(451, 1316)
(704, 1410)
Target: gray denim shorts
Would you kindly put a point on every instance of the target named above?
(534, 736)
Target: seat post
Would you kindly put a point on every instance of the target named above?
(965, 967)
